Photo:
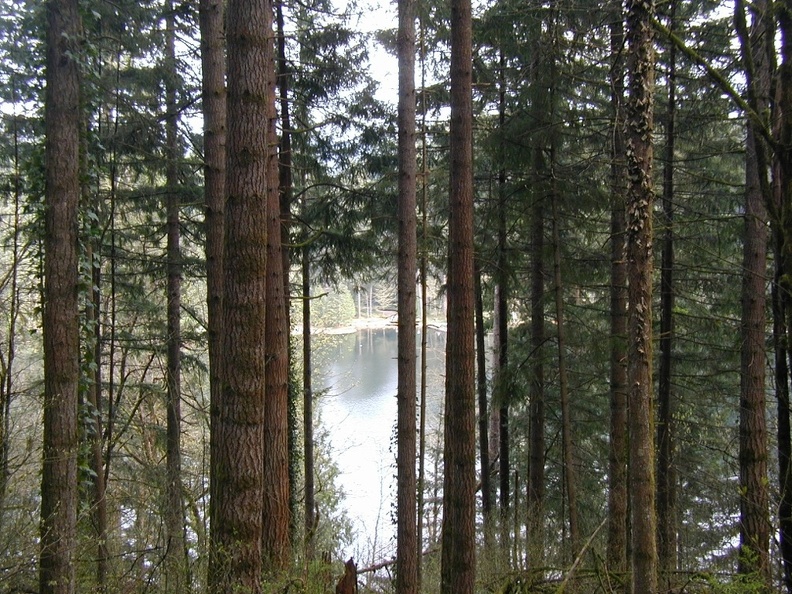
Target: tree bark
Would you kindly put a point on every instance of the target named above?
(666, 474)
(407, 549)
(536, 436)
(618, 448)
(758, 56)
(60, 318)
(238, 421)
(753, 454)
(277, 511)
(458, 556)
(214, 113)
(568, 452)
(175, 562)
(640, 198)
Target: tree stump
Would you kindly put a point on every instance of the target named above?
(348, 582)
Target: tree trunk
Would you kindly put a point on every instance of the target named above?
(175, 562)
(214, 113)
(617, 452)
(286, 183)
(277, 514)
(60, 318)
(406, 535)
(567, 444)
(757, 53)
(8, 358)
(421, 480)
(458, 557)
(754, 497)
(536, 469)
(483, 417)
(666, 474)
(308, 432)
(640, 198)
(238, 421)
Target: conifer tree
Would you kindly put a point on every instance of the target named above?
(61, 331)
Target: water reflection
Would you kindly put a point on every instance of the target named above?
(359, 411)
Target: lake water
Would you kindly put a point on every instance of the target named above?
(359, 372)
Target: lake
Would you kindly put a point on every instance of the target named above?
(358, 371)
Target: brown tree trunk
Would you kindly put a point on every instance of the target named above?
(238, 421)
(666, 474)
(60, 319)
(536, 462)
(458, 557)
(214, 113)
(308, 431)
(285, 181)
(640, 198)
(754, 496)
(758, 56)
(175, 565)
(277, 514)
(406, 530)
(567, 444)
(617, 452)
(94, 398)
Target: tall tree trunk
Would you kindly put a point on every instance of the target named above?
(666, 474)
(8, 358)
(640, 199)
(422, 266)
(501, 317)
(214, 113)
(570, 478)
(175, 551)
(286, 183)
(536, 463)
(458, 557)
(406, 535)
(784, 431)
(94, 395)
(277, 516)
(238, 421)
(60, 320)
(754, 497)
(617, 451)
(758, 56)
(483, 417)
(308, 431)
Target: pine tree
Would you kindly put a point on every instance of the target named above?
(61, 331)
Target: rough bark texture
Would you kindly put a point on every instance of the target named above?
(407, 549)
(61, 332)
(640, 198)
(458, 557)
(757, 52)
(277, 510)
(277, 513)
(214, 112)
(617, 453)
(753, 455)
(666, 473)
(238, 419)
(175, 553)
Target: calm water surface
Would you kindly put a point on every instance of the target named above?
(358, 371)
